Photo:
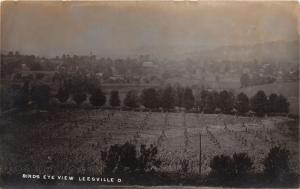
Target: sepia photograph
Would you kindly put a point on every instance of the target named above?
(149, 94)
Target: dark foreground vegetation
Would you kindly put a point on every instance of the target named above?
(140, 166)
(235, 170)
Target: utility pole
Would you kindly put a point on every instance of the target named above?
(200, 154)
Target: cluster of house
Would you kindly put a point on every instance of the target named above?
(17, 68)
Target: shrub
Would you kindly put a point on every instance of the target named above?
(242, 165)
(125, 159)
(231, 170)
(276, 164)
(184, 165)
(148, 159)
(221, 167)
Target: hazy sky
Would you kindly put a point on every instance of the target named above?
(125, 29)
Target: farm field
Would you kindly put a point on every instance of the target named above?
(70, 142)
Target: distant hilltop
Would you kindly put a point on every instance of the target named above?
(275, 51)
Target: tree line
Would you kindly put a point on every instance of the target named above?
(208, 101)
(165, 98)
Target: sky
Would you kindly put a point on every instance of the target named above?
(121, 29)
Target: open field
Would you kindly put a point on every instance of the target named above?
(70, 142)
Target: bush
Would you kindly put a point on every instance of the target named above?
(242, 165)
(221, 167)
(125, 159)
(231, 170)
(277, 164)
(184, 163)
(147, 160)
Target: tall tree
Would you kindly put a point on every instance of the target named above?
(272, 104)
(226, 102)
(259, 103)
(242, 103)
(210, 103)
(149, 98)
(131, 99)
(203, 95)
(114, 99)
(188, 98)
(168, 98)
(97, 98)
(282, 104)
(179, 96)
(198, 99)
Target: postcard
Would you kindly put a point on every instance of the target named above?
(160, 94)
